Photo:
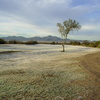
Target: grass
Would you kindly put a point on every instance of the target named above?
(49, 76)
(43, 85)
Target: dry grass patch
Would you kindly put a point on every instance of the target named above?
(40, 75)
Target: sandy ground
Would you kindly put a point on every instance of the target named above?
(69, 74)
(32, 54)
(10, 57)
(92, 63)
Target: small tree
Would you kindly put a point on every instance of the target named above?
(66, 27)
(2, 41)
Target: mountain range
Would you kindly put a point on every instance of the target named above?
(48, 38)
(37, 38)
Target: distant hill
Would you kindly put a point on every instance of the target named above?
(37, 38)
(17, 38)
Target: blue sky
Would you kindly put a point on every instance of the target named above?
(30, 18)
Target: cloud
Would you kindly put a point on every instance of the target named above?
(46, 2)
(90, 27)
(39, 17)
(13, 27)
(84, 37)
(88, 32)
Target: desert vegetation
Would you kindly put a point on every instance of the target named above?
(86, 43)
(39, 60)
(95, 44)
(42, 72)
(2, 41)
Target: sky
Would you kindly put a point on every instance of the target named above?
(31, 18)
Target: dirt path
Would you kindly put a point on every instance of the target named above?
(92, 63)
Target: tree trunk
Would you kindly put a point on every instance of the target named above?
(63, 47)
(63, 44)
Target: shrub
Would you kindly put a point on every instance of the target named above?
(86, 43)
(75, 43)
(53, 43)
(31, 42)
(13, 42)
(2, 41)
(94, 44)
(98, 45)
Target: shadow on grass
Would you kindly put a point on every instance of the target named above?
(7, 52)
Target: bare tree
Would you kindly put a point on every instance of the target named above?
(66, 27)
